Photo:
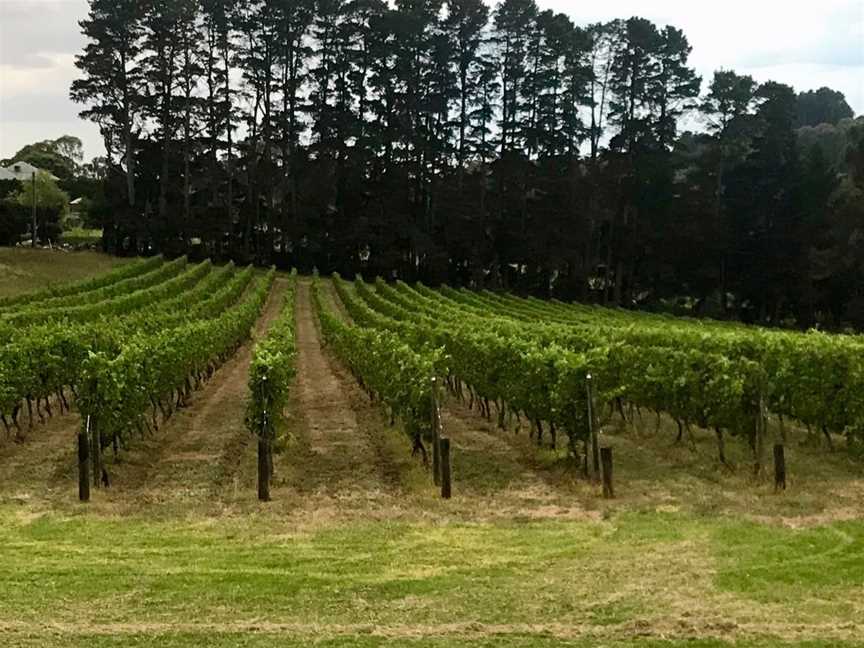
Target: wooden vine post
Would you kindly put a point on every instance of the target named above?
(263, 467)
(592, 428)
(446, 489)
(84, 461)
(264, 449)
(761, 432)
(606, 462)
(96, 452)
(436, 434)
(779, 467)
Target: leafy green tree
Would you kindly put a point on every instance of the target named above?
(817, 183)
(70, 147)
(766, 243)
(16, 209)
(633, 106)
(217, 61)
(677, 84)
(111, 82)
(729, 111)
(461, 140)
(822, 106)
(650, 86)
(294, 61)
(258, 52)
(514, 29)
(48, 194)
(165, 45)
(481, 118)
(560, 84)
(604, 39)
(464, 26)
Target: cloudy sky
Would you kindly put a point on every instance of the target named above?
(806, 45)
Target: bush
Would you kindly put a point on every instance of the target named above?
(15, 222)
(12, 227)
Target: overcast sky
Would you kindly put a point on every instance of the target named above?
(804, 44)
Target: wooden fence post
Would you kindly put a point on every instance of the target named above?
(779, 467)
(84, 462)
(445, 468)
(606, 460)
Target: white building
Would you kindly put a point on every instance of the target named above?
(22, 171)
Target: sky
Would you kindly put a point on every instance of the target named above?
(804, 44)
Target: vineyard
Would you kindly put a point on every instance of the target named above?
(268, 458)
(557, 367)
(124, 346)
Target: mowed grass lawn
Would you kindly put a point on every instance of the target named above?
(686, 555)
(24, 270)
(646, 579)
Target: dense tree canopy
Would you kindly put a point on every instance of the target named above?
(822, 106)
(445, 140)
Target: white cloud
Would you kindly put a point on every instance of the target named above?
(804, 45)
(43, 79)
(38, 42)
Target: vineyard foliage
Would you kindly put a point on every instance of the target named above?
(135, 293)
(116, 392)
(132, 345)
(44, 360)
(814, 377)
(271, 371)
(533, 358)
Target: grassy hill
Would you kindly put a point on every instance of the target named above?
(25, 270)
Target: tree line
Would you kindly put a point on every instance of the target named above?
(447, 141)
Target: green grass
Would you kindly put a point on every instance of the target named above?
(25, 270)
(771, 565)
(254, 579)
(81, 236)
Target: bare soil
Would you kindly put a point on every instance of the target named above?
(341, 461)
